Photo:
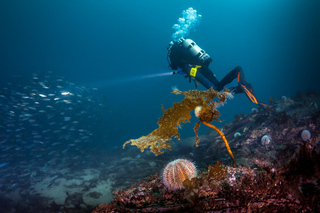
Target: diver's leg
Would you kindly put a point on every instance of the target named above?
(228, 79)
(236, 89)
(243, 86)
(214, 80)
(208, 74)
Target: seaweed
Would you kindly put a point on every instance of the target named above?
(180, 113)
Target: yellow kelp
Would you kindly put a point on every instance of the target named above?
(180, 113)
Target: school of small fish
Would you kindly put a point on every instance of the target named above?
(45, 121)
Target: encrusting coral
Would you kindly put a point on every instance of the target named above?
(180, 113)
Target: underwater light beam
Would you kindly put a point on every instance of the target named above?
(117, 81)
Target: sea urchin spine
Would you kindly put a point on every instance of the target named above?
(176, 172)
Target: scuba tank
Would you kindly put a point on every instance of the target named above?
(188, 56)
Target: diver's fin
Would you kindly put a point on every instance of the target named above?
(263, 104)
(246, 88)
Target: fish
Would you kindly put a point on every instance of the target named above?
(3, 164)
(43, 85)
(67, 118)
(65, 93)
(45, 122)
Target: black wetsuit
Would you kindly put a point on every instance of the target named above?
(196, 67)
(220, 85)
(179, 61)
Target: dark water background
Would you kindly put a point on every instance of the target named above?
(98, 43)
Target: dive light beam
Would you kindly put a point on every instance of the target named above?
(117, 81)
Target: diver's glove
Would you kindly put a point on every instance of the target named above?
(178, 71)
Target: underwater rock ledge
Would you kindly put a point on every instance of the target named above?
(280, 175)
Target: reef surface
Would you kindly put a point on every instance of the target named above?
(278, 166)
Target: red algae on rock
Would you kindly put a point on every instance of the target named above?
(281, 177)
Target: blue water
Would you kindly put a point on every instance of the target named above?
(277, 43)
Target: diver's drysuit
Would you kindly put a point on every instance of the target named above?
(185, 56)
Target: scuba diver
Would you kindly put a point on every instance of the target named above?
(186, 57)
